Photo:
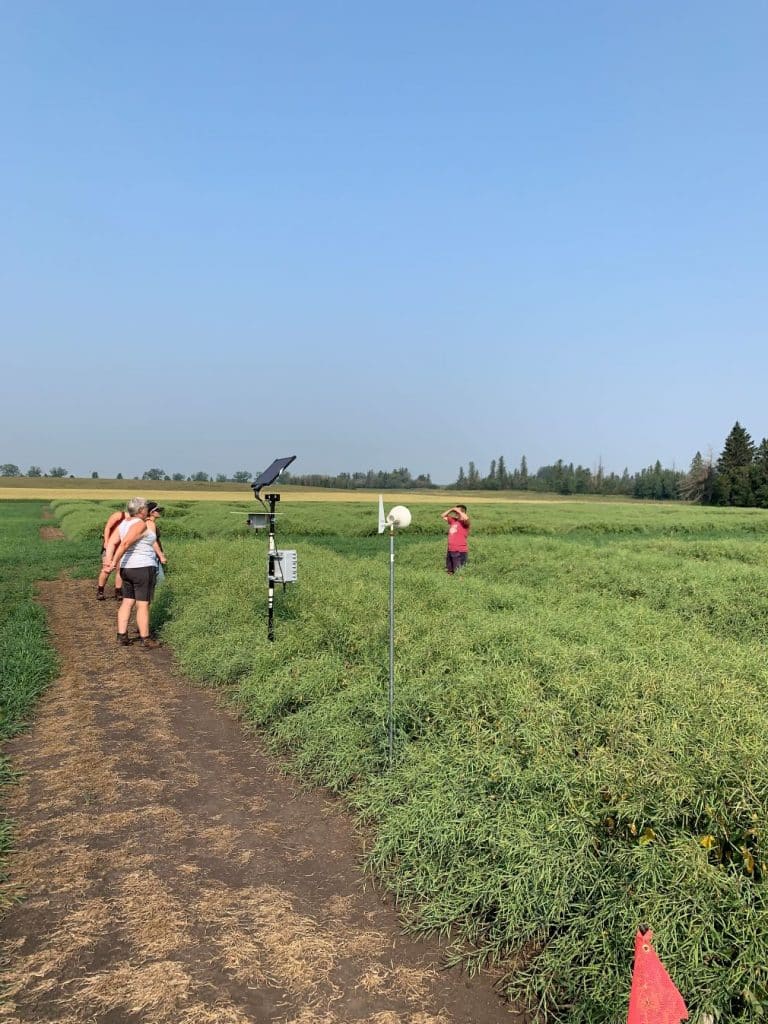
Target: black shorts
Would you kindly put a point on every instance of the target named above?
(139, 584)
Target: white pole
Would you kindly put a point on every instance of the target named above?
(398, 516)
(391, 644)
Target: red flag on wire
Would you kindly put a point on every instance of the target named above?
(653, 998)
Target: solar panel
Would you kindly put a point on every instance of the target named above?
(271, 473)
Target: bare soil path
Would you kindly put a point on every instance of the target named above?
(171, 874)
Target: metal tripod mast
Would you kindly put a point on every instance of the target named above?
(272, 549)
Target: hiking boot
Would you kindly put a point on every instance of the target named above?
(118, 595)
(123, 640)
(100, 596)
(148, 643)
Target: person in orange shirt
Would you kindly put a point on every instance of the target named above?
(109, 534)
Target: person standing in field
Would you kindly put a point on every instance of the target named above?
(155, 511)
(137, 557)
(110, 528)
(458, 530)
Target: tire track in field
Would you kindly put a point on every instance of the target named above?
(170, 874)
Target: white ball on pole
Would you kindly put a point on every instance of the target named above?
(399, 516)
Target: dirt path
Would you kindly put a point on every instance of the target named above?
(51, 533)
(172, 875)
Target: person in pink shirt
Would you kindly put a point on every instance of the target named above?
(458, 528)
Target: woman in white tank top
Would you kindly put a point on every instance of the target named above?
(137, 554)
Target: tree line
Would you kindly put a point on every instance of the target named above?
(377, 479)
(242, 476)
(566, 478)
(738, 477)
(9, 469)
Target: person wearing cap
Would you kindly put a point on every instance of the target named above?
(155, 511)
(137, 557)
(458, 529)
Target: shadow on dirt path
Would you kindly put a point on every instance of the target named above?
(171, 874)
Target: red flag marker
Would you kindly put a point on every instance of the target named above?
(653, 998)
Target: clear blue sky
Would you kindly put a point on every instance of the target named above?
(375, 235)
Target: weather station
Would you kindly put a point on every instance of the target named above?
(282, 565)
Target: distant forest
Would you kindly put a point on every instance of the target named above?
(738, 477)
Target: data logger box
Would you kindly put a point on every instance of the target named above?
(286, 566)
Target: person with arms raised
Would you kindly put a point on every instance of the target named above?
(458, 530)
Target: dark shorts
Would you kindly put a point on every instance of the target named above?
(454, 560)
(139, 584)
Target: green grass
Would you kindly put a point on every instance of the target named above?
(27, 659)
(352, 519)
(582, 725)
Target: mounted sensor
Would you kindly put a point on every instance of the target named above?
(399, 516)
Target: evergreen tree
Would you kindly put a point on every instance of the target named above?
(582, 480)
(599, 475)
(558, 478)
(473, 476)
(760, 474)
(733, 485)
(657, 483)
(501, 474)
(523, 473)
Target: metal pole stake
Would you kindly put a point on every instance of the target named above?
(272, 499)
(391, 645)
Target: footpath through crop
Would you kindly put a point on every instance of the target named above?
(170, 873)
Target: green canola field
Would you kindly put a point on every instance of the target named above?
(581, 730)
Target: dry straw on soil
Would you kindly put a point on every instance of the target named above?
(156, 990)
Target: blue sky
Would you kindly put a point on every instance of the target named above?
(381, 235)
